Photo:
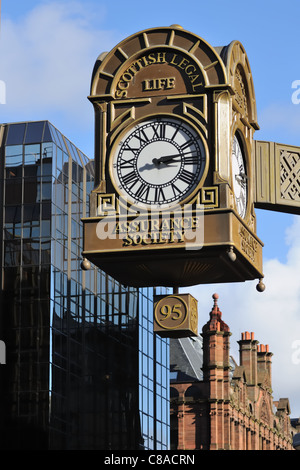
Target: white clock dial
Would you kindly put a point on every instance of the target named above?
(239, 177)
(158, 163)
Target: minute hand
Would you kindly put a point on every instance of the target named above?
(168, 158)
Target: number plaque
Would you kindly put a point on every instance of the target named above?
(176, 316)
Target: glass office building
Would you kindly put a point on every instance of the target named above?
(83, 369)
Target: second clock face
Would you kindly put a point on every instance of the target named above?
(239, 177)
(158, 163)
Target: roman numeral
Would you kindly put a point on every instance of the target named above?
(191, 160)
(176, 191)
(187, 144)
(159, 195)
(186, 176)
(141, 136)
(241, 167)
(142, 192)
(128, 148)
(159, 131)
(175, 133)
(129, 178)
(126, 163)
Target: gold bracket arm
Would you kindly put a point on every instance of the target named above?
(276, 177)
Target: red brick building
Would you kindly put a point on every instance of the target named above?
(217, 404)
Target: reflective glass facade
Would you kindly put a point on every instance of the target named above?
(83, 367)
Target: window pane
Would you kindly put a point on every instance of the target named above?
(45, 228)
(31, 190)
(31, 229)
(46, 211)
(13, 155)
(65, 163)
(13, 214)
(34, 132)
(47, 135)
(13, 191)
(31, 212)
(15, 134)
(32, 155)
(12, 251)
(59, 161)
(30, 251)
(47, 168)
(45, 251)
(46, 191)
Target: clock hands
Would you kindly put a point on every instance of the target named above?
(165, 159)
(241, 178)
(156, 162)
(189, 160)
(168, 158)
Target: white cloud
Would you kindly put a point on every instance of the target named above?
(273, 316)
(280, 119)
(47, 58)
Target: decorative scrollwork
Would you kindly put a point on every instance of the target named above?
(290, 175)
(241, 95)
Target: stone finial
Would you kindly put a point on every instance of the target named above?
(215, 297)
(216, 322)
(215, 309)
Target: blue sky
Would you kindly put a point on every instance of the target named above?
(47, 52)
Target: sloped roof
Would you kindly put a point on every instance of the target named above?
(284, 404)
(239, 372)
(186, 358)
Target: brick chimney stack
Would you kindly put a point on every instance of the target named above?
(216, 368)
(264, 364)
(215, 344)
(248, 356)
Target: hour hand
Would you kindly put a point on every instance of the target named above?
(241, 178)
(165, 159)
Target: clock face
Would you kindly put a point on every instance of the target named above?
(239, 177)
(158, 163)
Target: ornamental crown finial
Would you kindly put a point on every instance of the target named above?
(215, 297)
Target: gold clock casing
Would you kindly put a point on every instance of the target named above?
(171, 72)
(165, 255)
(175, 316)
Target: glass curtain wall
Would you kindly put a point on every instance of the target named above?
(26, 183)
(153, 377)
(84, 370)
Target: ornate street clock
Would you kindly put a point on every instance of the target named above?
(173, 202)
